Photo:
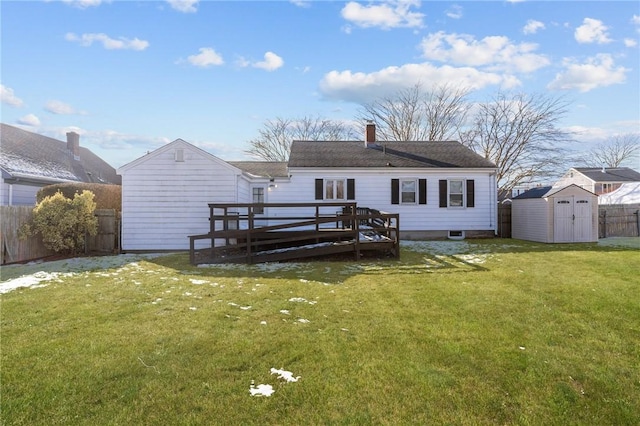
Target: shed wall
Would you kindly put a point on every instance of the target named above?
(530, 220)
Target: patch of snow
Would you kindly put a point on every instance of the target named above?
(303, 321)
(285, 311)
(263, 323)
(261, 390)
(245, 308)
(302, 300)
(285, 375)
(33, 280)
(197, 282)
(193, 308)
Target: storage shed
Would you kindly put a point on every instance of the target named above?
(555, 215)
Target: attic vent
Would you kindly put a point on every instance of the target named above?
(180, 155)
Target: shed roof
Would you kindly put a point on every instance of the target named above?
(30, 155)
(610, 174)
(548, 191)
(330, 154)
(539, 192)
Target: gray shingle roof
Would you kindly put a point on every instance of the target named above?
(263, 168)
(30, 155)
(324, 154)
(534, 193)
(618, 174)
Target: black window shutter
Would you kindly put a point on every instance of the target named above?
(351, 189)
(443, 192)
(319, 189)
(395, 191)
(422, 191)
(471, 194)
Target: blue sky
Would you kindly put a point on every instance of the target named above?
(130, 76)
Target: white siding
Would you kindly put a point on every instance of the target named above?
(16, 194)
(164, 200)
(373, 189)
(573, 177)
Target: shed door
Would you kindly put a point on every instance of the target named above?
(583, 218)
(572, 220)
(563, 220)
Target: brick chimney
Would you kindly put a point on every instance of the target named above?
(73, 144)
(370, 134)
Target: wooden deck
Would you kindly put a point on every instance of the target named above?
(257, 233)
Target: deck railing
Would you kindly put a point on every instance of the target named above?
(257, 232)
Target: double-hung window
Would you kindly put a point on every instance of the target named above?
(335, 189)
(408, 191)
(457, 193)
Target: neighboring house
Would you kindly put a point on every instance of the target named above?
(555, 215)
(598, 180)
(30, 161)
(628, 193)
(440, 189)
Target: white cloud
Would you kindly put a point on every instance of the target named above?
(271, 62)
(533, 26)
(635, 19)
(301, 3)
(629, 42)
(108, 42)
(29, 120)
(592, 31)
(83, 4)
(60, 108)
(493, 52)
(9, 98)
(363, 87)
(598, 71)
(386, 15)
(454, 12)
(206, 58)
(184, 6)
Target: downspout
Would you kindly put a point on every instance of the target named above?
(10, 194)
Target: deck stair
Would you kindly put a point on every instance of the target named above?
(272, 232)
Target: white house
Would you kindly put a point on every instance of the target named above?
(555, 215)
(440, 189)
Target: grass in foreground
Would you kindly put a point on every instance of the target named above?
(486, 332)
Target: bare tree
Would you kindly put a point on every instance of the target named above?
(519, 134)
(414, 114)
(274, 140)
(613, 152)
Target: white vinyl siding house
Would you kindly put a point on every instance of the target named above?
(438, 189)
(373, 188)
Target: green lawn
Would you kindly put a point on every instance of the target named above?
(465, 332)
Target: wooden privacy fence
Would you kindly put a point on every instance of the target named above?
(619, 220)
(504, 220)
(13, 249)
